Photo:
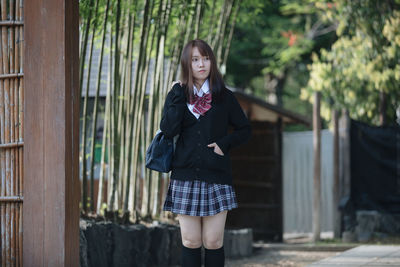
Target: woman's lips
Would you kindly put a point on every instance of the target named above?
(202, 71)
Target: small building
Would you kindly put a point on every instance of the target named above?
(257, 169)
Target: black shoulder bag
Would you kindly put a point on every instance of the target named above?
(160, 152)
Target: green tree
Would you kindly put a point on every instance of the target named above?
(361, 72)
(273, 42)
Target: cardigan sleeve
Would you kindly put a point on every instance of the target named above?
(172, 115)
(241, 127)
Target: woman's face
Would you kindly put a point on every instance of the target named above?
(200, 66)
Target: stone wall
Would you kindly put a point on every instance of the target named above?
(368, 225)
(108, 244)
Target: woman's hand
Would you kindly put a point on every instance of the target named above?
(175, 82)
(216, 149)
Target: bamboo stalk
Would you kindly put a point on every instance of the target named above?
(214, 40)
(8, 168)
(141, 75)
(95, 110)
(233, 23)
(11, 145)
(2, 170)
(129, 116)
(110, 181)
(14, 198)
(121, 134)
(85, 118)
(198, 10)
(20, 234)
(6, 68)
(11, 23)
(149, 178)
(11, 75)
(2, 129)
(17, 246)
(105, 130)
(211, 23)
(18, 136)
(157, 82)
(2, 173)
(13, 125)
(82, 54)
(222, 30)
(110, 120)
(122, 118)
(116, 137)
(133, 143)
(140, 122)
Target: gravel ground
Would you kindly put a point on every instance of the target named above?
(276, 257)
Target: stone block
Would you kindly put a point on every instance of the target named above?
(159, 246)
(131, 246)
(349, 237)
(367, 223)
(99, 240)
(238, 242)
(175, 246)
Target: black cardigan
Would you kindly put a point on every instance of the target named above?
(193, 159)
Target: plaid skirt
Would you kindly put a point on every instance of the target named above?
(199, 198)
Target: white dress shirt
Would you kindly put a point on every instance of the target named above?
(203, 90)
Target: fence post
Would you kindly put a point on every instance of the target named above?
(335, 189)
(317, 167)
(51, 134)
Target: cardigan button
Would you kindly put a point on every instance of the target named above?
(198, 144)
(197, 169)
(198, 132)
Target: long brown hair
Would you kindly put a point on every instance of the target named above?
(216, 82)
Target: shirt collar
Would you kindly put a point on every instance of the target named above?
(205, 88)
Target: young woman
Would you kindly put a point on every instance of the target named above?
(200, 109)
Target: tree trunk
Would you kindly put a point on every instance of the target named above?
(382, 108)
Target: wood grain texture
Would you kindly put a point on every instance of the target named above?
(51, 185)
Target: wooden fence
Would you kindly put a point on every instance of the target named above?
(11, 131)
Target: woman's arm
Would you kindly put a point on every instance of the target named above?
(172, 116)
(241, 126)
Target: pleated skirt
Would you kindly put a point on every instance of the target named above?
(199, 198)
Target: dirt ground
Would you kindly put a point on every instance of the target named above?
(273, 257)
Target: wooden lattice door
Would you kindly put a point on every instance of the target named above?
(11, 131)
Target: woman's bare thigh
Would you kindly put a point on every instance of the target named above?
(213, 230)
(190, 230)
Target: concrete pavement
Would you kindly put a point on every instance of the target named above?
(363, 256)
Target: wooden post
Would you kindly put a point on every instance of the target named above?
(335, 189)
(317, 167)
(344, 155)
(51, 133)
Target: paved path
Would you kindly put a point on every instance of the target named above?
(363, 256)
(287, 255)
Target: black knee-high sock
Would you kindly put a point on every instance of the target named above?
(214, 257)
(191, 257)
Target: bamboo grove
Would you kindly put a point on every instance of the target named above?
(139, 32)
